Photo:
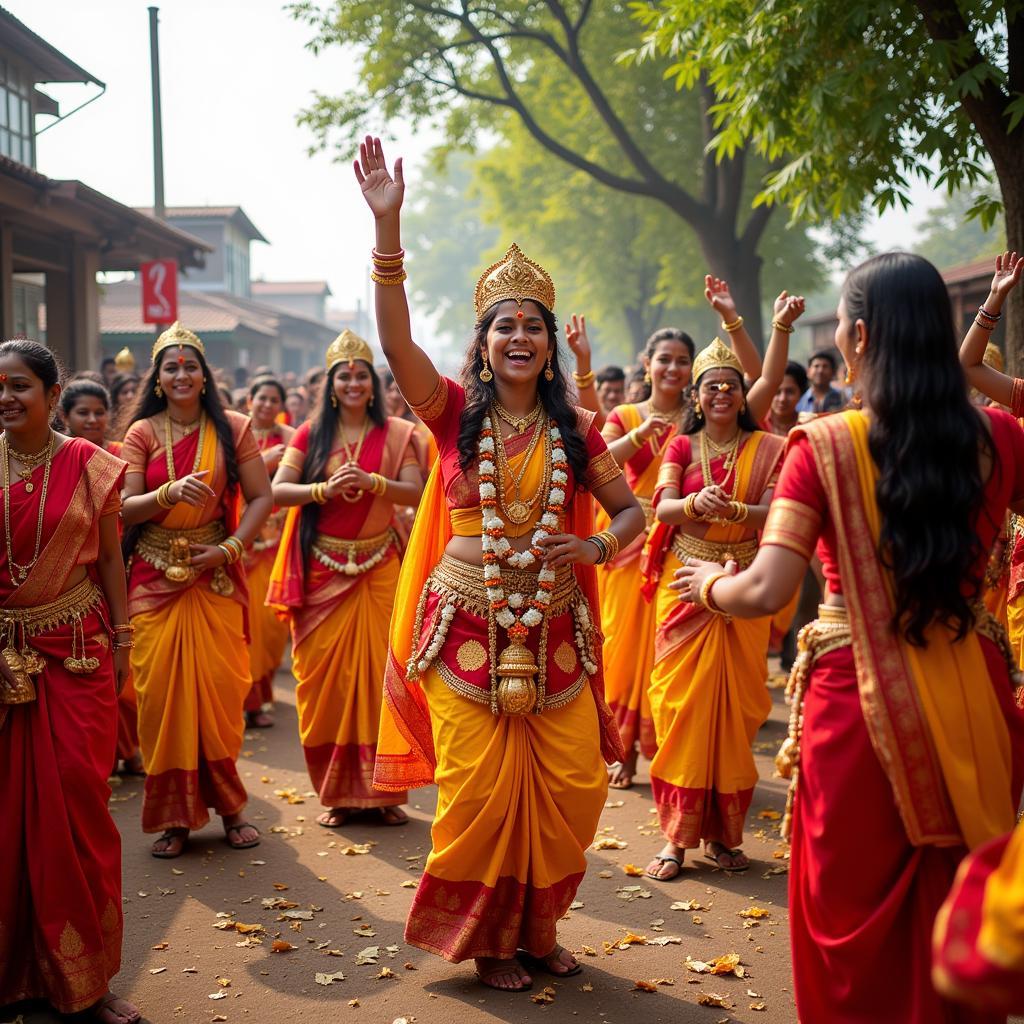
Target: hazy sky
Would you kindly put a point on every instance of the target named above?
(235, 73)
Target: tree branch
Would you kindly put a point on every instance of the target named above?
(750, 238)
(707, 131)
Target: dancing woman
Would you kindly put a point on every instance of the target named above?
(336, 574)
(188, 460)
(66, 638)
(903, 732)
(493, 684)
(268, 633)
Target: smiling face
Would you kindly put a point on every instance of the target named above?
(784, 402)
(721, 396)
(394, 401)
(265, 405)
(820, 373)
(88, 418)
(295, 403)
(670, 367)
(611, 393)
(25, 404)
(181, 375)
(517, 342)
(353, 385)
(128, 393)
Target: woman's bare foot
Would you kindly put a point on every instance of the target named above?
(504, 975)
(334, 818)
(393, 816)
(113, 1009)
(668, 864)
(559, 962)
(258, 720)
(239, 833)
(728, 860)
(171, 844)
(621, 774)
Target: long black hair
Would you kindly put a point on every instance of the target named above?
(693, 424)
(926, 440)
(323, 430)
(553, 394)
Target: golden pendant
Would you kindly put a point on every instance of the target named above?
(518, 512)
(787, 758)
(81, 666)
(179, 555)
(29, 487)
(517, 689)
(34, 661)
(221, 582)
(23, 691)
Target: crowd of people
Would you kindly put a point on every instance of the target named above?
(512, 586)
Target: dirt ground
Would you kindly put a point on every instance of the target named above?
(184, 960)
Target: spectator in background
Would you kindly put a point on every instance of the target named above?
(297, 407)
(123, 392)
(314, 383)
(783, 415)
(611, 387)
(108, 369)
(637, 388)
(821, 397)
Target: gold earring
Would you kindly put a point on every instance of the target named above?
(485, 374)
(334, 400)
(202, 390)
(157, 390)
(647, 377)
(698, 412)
(549, 374)
(370, 402)
(851, 375)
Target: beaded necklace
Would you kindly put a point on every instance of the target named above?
(169, 446)
(18, 572)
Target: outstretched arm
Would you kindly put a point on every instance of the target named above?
(987, 379)
(759, 398)
(414, 372)
(579, 345)
(716, 291)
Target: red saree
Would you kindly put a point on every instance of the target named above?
(60, 873)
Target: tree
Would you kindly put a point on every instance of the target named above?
(950, 237)
(548, 65)
(854, 98)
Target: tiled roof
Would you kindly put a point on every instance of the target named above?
(969, 271)
(291, 288)
(203, 212)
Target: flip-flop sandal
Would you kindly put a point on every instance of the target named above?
(238, 828)
(539, 964)
(169, 835)
(666, 860)
(523, 987)
(336, 818)
(621, 786)
(389, 820)
(726, 852)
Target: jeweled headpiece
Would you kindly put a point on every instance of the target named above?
(174, 337)
(514, 276)
(347, 347)
(125, 361)
(717, 356)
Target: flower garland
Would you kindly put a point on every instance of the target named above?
(514, 612)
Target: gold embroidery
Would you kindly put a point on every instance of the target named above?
(602, 470)
(670, 475)
(111, 919)
(293, 458)
(71, 944)
(432, 408)
(793, 525)
(471, 655)
(742, 551)
(565, 657)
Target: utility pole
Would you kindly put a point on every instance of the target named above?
(159, 209)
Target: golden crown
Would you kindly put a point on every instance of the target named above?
(347, 347)
(716, 356)
(514, 276)
(124, 360)
(174, 337)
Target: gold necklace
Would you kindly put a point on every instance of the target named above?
(17, 572)
(169, 446)
(732, 449)
(353, 455)
(672, 420)
(518, 510)
(185, 428)
(518, 423)
(29, 462)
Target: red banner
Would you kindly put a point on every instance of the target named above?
(159, 291)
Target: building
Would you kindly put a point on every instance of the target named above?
(56, 236)
(309, 298)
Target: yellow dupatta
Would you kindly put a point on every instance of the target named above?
(934, 720)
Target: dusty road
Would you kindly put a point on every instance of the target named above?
(185, 959)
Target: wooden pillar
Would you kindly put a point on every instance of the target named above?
(72, 311)
(59, 316)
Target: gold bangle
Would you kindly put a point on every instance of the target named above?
(734, 326)
(611, 542)
(690, 509)
(394, 279)
(236, 545)
(602, 550)
(317, 492)
(378, 484)
(740, 511)
(124, 645)
(378, 257)
(584, 380)
(778, 325)
(632, 435)
(163, 496)
(704, 597)
(985, 327)
(229, 555)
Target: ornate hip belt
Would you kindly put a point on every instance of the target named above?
(647, 504)
(19, 625)
(376, 548)
(513, 691)
(170, 552)
(741, 551)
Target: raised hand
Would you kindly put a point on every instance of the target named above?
(576, 337)
(788, 308)
(1007, 276)
(716, 291)
(382, 192)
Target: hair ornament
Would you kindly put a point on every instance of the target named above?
(717, 356)
(177, 336)
(514, 276)
(347, 347)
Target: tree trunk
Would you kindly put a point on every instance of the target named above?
(637, 324)
(1011, 185)
(727, 259)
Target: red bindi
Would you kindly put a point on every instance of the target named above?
(181, 360)
(520, 315)
(3, 378)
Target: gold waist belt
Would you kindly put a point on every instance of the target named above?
(741, 551)
(19, 625)
(325, 547)
(466, 582)
(647, 504)
(169, 552)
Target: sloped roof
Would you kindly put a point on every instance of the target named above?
(291, 288)
(231, 213)
(51, 65)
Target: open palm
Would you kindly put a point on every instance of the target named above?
(716, 291)
(382, 192)
(1008, 272)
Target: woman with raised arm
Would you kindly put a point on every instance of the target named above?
(342, 477)
(493, 684)
(903, 730)
(707, 690)
(189, 460)
(66, 638)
